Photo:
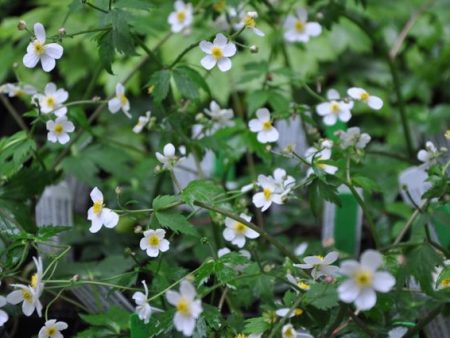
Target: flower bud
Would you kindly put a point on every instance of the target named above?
(254, 49)
(138, 229)
(62, 31)
(21, 25)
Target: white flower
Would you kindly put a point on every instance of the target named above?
(364, 280)
(445, 282)
(36, 280)
(283, 181)
(181, 18)
(52, 100)
(282, 312)
(299, 282)
(142, 122)
(288, 331)
(17, 90)
(28, 296)
(236, 232)
(397, 332)
(3, 315)
(335, 109)
(218, 52)
(168, 158)
(143, 308)
(316, 157)
(99, 215)
(58, 130)
(428, 155)
(270, 194)
(249, 21)
(247, 187)
(154, 242)
(37, 51)
(52, 329)
(263, 126)
(120, 101)
(353, 138)
(298, 29)
(360, 94)
(188, 308)
(220, 117)
(321, 266)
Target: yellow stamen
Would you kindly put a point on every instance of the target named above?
(267, 193)
(97, 207)
(445, 283)
(289, 333)
(447, 134)
(123, 99)
(50, 100)
(249, 21)
(153, 240)
(217, 53)
(363, 278)
(267, 125)
(299, 26)
(298, 311)
(27, 296)
(181, 16)
(239, 228)
(51, 331)
(59, 128)
(302, 285)
(38, 47)
(34, 281)
(335, 108)
(183, 307)
(364, 96)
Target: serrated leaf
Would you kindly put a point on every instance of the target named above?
(185, 85)
(322, 296)
(14, 151)
(161, 82)
(176, 222)
(115, 318)
(106, 50)
(202, 191)
(256, 325)
(164, 202)
(121, 36)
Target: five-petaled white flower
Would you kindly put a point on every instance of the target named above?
(364, 280)
(335, 109)
(288, 331)
(353, 138)
(142, 122)
(154, 242)
(52, 329)
(428, 155)
(99, 215)
(283, 312)
(263, 126)
(237, 232)
(3, 315)
(218, 52)
(168, 158)
(220, 117)
(270, 193)
(298, 29)
(360, 94)
(28, 296)
(181, 18)
(37, 51)
(321, 266)
(188, 308)
(143, 308)
(120, 101)
(58, 130)
(17, 89)
(52, 100)
(316, 157)
(248, 20)
(283, 181)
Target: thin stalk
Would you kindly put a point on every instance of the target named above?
(13, 112)
(410, 221)
(95, 7)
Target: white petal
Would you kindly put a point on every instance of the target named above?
(96, 225)
(331, 257)
(3, 317)
(208, 62)
(184, 324)
(355, 93)
(68, 126)
(348, 291)
(172, 297)
(30, 60)
(224, 64)
(349, 267)
(120, 89)
(383, 281)
(422, 155)
(239, 241)
(345, 116)
(206, 46)
(54, 50)
(252, 234)
(312, 260)
(323, 109)
(109, 218)
(39, 31)
(187, 289)
(28, 308)
(96, 195)
(333, 94)
(164, 245)
(259, 199)
(114, 105)
(366, 299)
(313, 29)
(220, 40)
(15, 297)
(255, 125)
(330, 119)
(228, 234)
(229, 49)
(375, 102)
(61, 325)
(263, 114)
(371, 259)
(61, 95)
(152, 252)
(63, 138)
(169, 150)
(48, 63)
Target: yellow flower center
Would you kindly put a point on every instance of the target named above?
(59, 128)
(289, 333)
(363, 278)
(217, 53)
(445, 283)
(34, 281)
(50, 101)
(267, 125)
(298, 311)
(123, 99)
(183, 307)
(447, 134)
(249, 21)
(335, 108)
(51, 331)
(27, 296)
(364, 96)
(267, 193)
(153, 240)
(181, 16)
(299, 26)
(302, 285)
(97, 207)
(38, 47)
(239, 228)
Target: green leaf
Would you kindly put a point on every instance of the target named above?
(176, 222)
(106, 50)
(257, 99)
(443, 276)
(322, 296)
(256, 325)
(212, 317)
(121, 36)
(14, 152)
(202, 191)
(115, 318)
(164, 202)
(366, 183)
(185, 85)
(134, 4)
(138, 328)
(161, 82)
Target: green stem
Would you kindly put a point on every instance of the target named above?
(51, 302)
(95, 7)
(95, 30)
(183, 53)
(56, 259)
(410, 221)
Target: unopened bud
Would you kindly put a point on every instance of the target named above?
(254, 49)
(62, 31)
(158, 169)
(199, 117)
(76, 278)
(138, 229)
(268, 147)
(21, 25)
(289, 149)
(319, 15)
(118, 190)
(96, 98)
(327, 242)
